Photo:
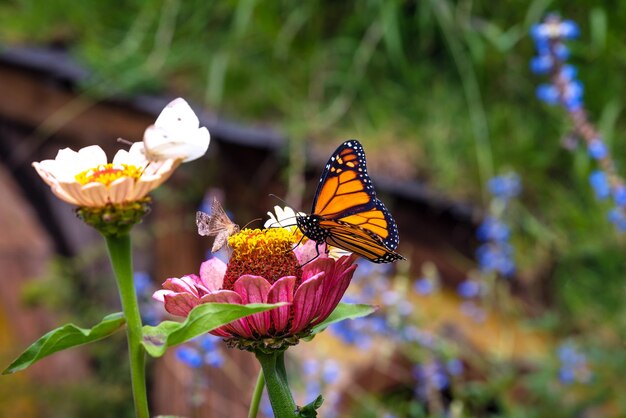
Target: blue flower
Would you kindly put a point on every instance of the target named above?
(573, 95)
(330, 372)
(424, 286)
(213, 359)
(573, 364)
(597, 149)
(190, 356)
(455, 367)
(618, 218)
(548, 93)
(505, 186)
(468, 289)
(568, 72)
(541, 64)
(569, 29)
(496, 257)
(143, 283)
(492, 229)
(600, 183)
(619, 195)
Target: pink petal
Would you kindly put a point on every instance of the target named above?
(239, 327)
(306, 302)
(333, 290)
(322, 263)
(185, 284)
(281, 291)
(180, 304)
(254, 289)
(212, 273)
(160, 294)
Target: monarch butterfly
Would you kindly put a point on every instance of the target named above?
(216, 224)
(176, 134)
(346, 212)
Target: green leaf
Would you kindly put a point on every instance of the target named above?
(67, 336)
(202, 319)
(310, 410)
(341, 312)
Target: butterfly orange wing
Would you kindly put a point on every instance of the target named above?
(345, 193)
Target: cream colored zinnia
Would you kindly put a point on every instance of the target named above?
(86, 178)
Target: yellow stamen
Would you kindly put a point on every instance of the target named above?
(262, 252)
(108, 173)
(273, 241)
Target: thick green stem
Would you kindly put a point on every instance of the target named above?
(273, 366)
(120, 253)
(256, 395)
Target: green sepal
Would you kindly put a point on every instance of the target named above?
(67, 336)
(115, 220)
(310, 410)
(202, 319)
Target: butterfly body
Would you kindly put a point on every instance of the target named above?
(217, 224)
(346, 212)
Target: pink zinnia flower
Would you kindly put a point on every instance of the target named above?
(264, 269)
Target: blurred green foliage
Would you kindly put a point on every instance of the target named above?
(447, 83)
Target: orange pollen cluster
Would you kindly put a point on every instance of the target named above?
(108, 173)
(262, 252)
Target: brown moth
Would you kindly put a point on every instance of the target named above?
(217, 224)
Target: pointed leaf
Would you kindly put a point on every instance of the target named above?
(310, 410)
(341, 312)
(67, 336)
(202, 319)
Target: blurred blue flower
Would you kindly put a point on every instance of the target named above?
(619, 195)
(455, 367)
(468, 289)
(600, 183)
(472, 310)
(492, 229)
(331, 371)
(143, 283)
(310, 366)
(424, 286)
(505, 186)
(189, 356)
(430, 375)
(597, 149)
(573, 95)
(618, 218)
(573, 364)
(548, 93)
(541, 64)
(568, 72)
(496, 257)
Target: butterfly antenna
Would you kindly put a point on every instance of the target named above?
(124, 141)
(254, 220)
(276, 197)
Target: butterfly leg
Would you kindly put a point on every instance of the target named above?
(317, 251)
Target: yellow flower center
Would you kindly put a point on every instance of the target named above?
(262, 252)
(108, 173)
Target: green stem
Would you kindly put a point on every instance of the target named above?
(120, 253)
(273, 365)
(256, 395)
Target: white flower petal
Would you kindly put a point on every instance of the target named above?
(121, 190)
(95, 194)
(90, 157)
